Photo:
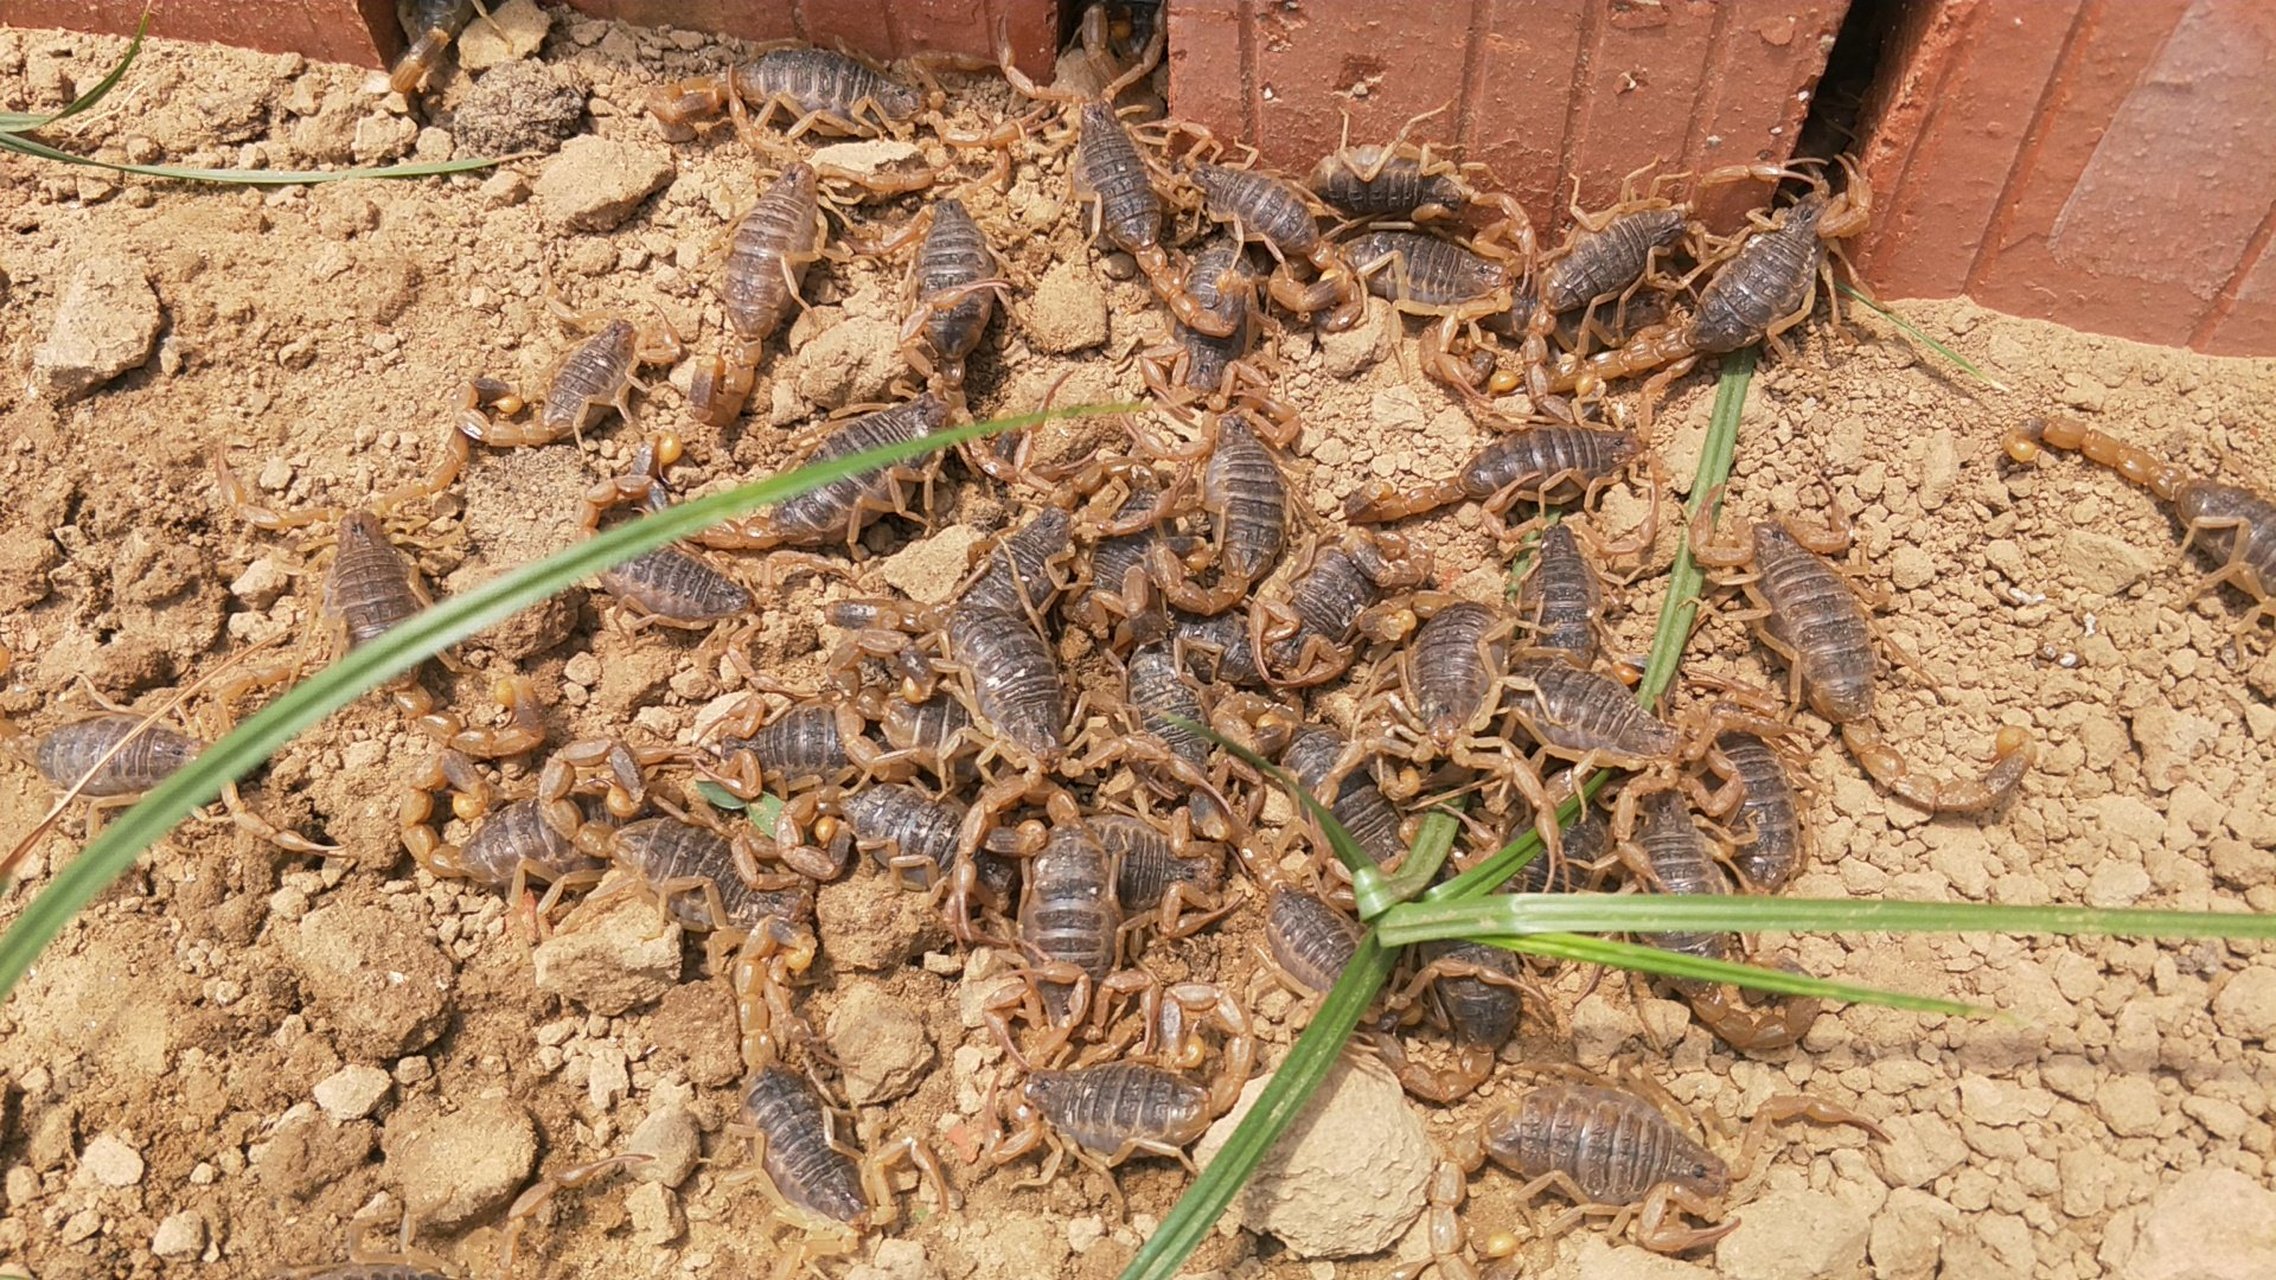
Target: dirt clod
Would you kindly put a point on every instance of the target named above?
(594, 184)
(455, 1166)
(670, 1137)
(383, 989)
(518, 106)
(2208, 1224)
(882, 1044)
(106, 324)
(1347, 1178)
(1795, 1235)
(353, 1092)
(1068, 311)
(611, 955)
(110, 1161)
(180, 1237)
(515, 29)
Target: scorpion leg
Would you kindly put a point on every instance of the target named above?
(530, 1201)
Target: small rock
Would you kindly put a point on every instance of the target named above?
(1908, 1235)
(515, 29)
(383, 137)
(897, 1260)
(655, 1214)
(2104, 564)
(180, 1237)
(2208, 1224)
(1795, 1235)
(1939, 469)
(261, 584)
(2246, 1006)
(874, 927)
(352, 1092)
(2129, 1105)
(382, 985)
(1911, 568)
(305, 1156)
(109, 1160)
(1920, 1149)
(458, 1166)
(106, 324)
(880, 1044)
(613, 951)
(1349, 1175)
(1600, 1028)
(669, 1135)
(1600, 1259)
(850, 363)
(1067, 311)
(503, 189)
(595, 183)
(518, 107)
(1361, 347)
(929, 569)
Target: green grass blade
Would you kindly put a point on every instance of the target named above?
(244, 177)
(1680, 609)
(1667, 964)
(1512, 858)
(1931, 343)
(1308, 1063)
(1523, 913)
(405, 646)
(21, 122)
(1340, 840)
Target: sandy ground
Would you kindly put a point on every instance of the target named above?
(201, 1071)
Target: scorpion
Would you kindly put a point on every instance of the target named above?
(812, 742)
(1758, 787)
(668, 586)
(767, 256)
(1671, 855)
(815, 1182)
(1217, 648)
(1246, 496)
(1118, 601)
(513, 846)
(1767, 287)
(821, 91)
(1815, 622)
(955, 282)
(2233, 526)
(1070, 930)
(595, 377)
(845, 506)
(1314, 755)
(1194, 366)
(1615, 1153)
(430, 26)
(1165, 873)
(1160, 696)
(1423, 275)
(1308, 942)
(112, 759)
(1284, 218)
(1479, 990)
(1560, 601)
(1399, 181)
(1336, 596)
(1548, 464)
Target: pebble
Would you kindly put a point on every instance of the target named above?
(852, 362)
(1067, 311)
(382, 137)
(1600, 1259)
(352, 1092)
(670, 1136)
(612, 952)
(109, 1160)
(2129, 1105)
(1795, 1235)
(2246, 1006)
(262, 582)
(1920, 1149)
(106, 324)
(874, 928)
(180, 1237)
(897, 1260)
(1349, 1176)
(2103, 564)
(655, 1214)
(1361, 347)
(2208, 1224)
(880, 1044)
(379, 983)
(593, 184)
(455, 1167)
(1908, 1235)
(929, 569)
(515, 29)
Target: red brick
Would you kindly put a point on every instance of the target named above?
(360, 32)
(2034, 156)
(879, 28)
(1538, 90)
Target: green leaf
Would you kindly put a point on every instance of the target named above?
(1680, 608)
(19, 122)
(1524, 913)
(1668, 964)
(719, 797)
(1931, 343)
(403, 647)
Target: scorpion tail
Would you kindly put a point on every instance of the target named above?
(2013, 753)
(2136, 464)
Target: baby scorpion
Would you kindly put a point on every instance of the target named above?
(1070, 931)
(1769, 808)
(1814, 621)
(1335, 597)
(1195, 366)
(1314, 755)
(845, 506)
(1614, 1153)
(1549, 464)
(1396, 180)
(1460, 286)
(594, 378)
(1243, 490)
(1560, 601)
(668, 586)
(430, 25)
(767, 258)
(2233, 526)
(955, 282)
(1282, 215)
(112, 759)
(1479, 989)
(820, 90)
(1163, 873)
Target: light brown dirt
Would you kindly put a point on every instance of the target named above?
(325, 333)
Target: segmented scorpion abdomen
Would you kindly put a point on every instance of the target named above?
(1242, 482)
(1310, 940)
(1217, 649)
(1561, 599)
(1159, 690)
(1026, 571)
(1613, 1144)
(955, 254)
(1819, 617)
(1016, 685)
(1106, 1108)
(661, 850)
(1112, 170)
(67, 753)
(1764, 282)
(1771, 813)
(917, 826)
(1479, 1012)
(1409, 266)
(809, 1172)
(824, 80)
(1457, 658)
(1398, 189)
(1149, 862)
(1358, 803)
(1268, 208)
(845, 505)
(1604, 263)
(369, 588)
(518, 833)
(1069, 913)
(671, 583)
(768, 256)
(1681, 863)
(1526, 461)
(1327, 602)
(1576, 711)
(802, 742)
